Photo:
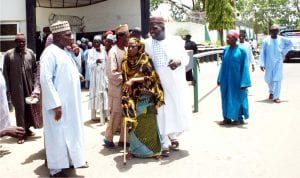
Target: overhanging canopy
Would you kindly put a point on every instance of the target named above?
(65, 3)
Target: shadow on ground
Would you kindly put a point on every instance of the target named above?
(125, 166)
(271, 101)
(4, 152)
(241, 126)
(41, 155)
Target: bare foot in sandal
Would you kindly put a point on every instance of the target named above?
(165, 153)
(21, 141)
(129, 156)
(158, 157)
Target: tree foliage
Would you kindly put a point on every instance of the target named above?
(260, 14)
(220, 15)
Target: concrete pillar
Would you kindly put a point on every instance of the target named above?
(31, 24)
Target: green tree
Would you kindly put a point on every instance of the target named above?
(220, 15)
(260, 14)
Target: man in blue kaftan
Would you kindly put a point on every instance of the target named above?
(273, 50)
(234, 79)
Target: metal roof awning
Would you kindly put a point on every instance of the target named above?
(66, 3)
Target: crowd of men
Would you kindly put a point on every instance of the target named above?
(48, 93)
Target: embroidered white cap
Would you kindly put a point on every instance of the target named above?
(60, 26)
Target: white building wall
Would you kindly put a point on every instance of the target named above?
(14, 11)
(196, 30)
(98, 17)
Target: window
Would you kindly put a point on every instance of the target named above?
(8, 31)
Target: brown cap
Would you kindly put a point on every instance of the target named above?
(122, 29)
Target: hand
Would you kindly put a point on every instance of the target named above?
(82, 78)
(34, 95)
(17, 132)
(98, 61)
(262, 68)
(127, 85)
(58, 113)
(173, 64)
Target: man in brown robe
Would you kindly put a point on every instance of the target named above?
(114, 74)
(19, 69)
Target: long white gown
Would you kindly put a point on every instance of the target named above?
(4, 111)
(176, 114)
(98, 81)
(60, 84)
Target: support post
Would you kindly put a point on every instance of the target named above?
(195, 69)
(31, 24)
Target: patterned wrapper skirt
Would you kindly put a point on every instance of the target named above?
(144, 138)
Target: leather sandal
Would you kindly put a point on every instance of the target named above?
(165, 153)
(174, 145)
(271, 96)
(129, 156)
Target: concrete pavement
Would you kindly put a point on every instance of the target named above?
(267, 147)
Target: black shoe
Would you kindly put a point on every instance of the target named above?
(238, 122)
(108, 144)
(225, 122)
(59, 174)
(121, 144)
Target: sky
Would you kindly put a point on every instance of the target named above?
(163, 9)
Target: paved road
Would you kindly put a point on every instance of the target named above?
(267, 147)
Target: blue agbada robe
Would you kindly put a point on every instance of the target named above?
(234, 75)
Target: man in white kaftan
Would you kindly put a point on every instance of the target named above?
(273, 50)
(169, 59)
(248, 49)
(5, 126)
(98, 81)
(4, 111)
(62, 111)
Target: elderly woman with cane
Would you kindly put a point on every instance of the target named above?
(142, 95)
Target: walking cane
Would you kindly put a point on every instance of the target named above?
(125, 141)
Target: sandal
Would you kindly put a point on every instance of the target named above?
(174, 145)
(29, 133)
(129, 156)
(158, 157)
(270, 96)
(225, 122)
(276, 101)
(165, 153)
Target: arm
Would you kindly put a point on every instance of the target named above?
(51, 98)
(17, 132)
(6, 72)
(250, 57)
(245, 78)
(287, 46)
(113, 73)
(262, 56)
(91, 62)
